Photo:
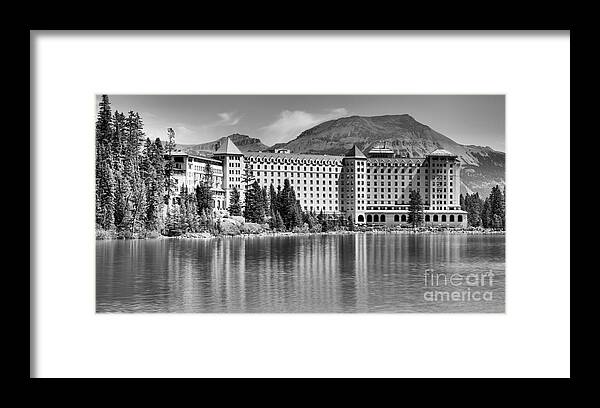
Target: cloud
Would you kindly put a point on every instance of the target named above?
(290, 124)
(228, 119)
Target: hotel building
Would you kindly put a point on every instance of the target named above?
(373, 189)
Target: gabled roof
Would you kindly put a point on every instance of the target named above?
(355, 153)
(228, 147)
(441, 152)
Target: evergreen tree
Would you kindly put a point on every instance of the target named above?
(297, 219)
(105, 215)
(169, 165)
(235, 205)
(105, 175)
(496, 208)
(104, 122)
(473, 207)
(204, 198)
(253, 206)
(415, 209)
(265, 200)
(486, 215)
(273, 199)
(279, 224)
(312, 220)
(208, 175)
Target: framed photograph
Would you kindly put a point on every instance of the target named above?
(312, 202)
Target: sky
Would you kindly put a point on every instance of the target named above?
(466, 119)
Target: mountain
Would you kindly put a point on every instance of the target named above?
(244, 142)
(483, 167)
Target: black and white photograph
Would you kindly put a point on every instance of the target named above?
(300, 203)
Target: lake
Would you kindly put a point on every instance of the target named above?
(363, 272)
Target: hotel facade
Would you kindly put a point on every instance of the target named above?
(370, 188)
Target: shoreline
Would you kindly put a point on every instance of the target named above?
(207, 235)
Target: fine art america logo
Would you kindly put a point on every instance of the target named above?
(458, 287)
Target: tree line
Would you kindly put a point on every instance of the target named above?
(132, 179)
(488, 213)
(280, 208)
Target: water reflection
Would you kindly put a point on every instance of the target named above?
(320, 273)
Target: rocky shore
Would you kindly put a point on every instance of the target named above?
(237, 227)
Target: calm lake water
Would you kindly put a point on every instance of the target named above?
(311, 273)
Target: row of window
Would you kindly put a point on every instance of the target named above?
(404, 218)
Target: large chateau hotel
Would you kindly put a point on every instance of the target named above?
(371, 188)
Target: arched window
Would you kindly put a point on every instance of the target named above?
(403, 218)
(382, 218)
(435, 218)
(452, 218)
(444, 218)
(376, 218)
(460, 218)
(427, 218)
(396, 218)
(369, 218)
(361, 218)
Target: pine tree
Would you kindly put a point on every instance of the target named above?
(253, 206)
(273, 199)
(496, 208)
(106, 217)
(265, 200)
(235, 208)
(297, 220)
(486, 214)
(105, 177)
(279, 224)
(473, 207)
(415, 209)
(104, 122)
(169, 165)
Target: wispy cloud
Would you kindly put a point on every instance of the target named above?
(228, 119)
(290, 124)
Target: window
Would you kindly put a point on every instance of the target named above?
(435, 218)
(452, 218)
(403, 218)
(382, 218)
(444, 218)
(369, 218)
(361, 218)
(376, 218)
(460, 218)
(396, 218)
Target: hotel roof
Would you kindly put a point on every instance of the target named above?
(381, 149)
(355, 152)
(228, 147)
(196, 156)
(441, 152)
(292, 156)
